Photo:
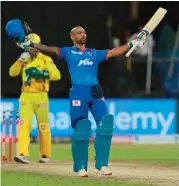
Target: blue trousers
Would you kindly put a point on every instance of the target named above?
(82, 101)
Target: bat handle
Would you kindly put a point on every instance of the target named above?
(132, 49)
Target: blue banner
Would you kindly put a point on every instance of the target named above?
(132, 116)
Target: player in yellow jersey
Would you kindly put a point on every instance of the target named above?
(37, 71)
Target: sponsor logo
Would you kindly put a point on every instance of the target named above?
(136, 120)
(85, 62)
(89, 53)
(76, 103)
(43, 105)
(21, 122)
(74, 52)
(133, 120)
(22, 102)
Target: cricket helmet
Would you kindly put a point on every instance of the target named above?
(34, 38)
(17, 30)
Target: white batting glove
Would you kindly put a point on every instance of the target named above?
(25, 57)
(140, 39)
(26, 44)
(140, 43)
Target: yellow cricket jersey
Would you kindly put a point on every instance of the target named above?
(42, 62)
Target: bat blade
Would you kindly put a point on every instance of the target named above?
(151, 25)
(155, 20)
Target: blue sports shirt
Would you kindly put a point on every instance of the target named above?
(83, 65)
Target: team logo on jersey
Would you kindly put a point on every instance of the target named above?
(85, 62)
(42, 127)
(42, 105)
(76, 103)
(22, 102)
(21, 122)
(74, 52)
(89, 53)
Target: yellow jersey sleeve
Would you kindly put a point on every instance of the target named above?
(16, 69)
(54, 73)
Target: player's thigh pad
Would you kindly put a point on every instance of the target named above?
(45, 139)
(78, 111)
(80, 142)
(103, 138)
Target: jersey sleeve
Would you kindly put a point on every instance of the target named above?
(53, 70)
(101, 55)
(16, 69)
(62, 52)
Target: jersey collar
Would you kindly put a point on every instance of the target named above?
(80, 48)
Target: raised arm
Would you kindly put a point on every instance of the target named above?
(140, 39)
(118, 51)
(16, 68)
(47, 50)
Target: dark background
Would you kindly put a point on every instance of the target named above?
(53, 22)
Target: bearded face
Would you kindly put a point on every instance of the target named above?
(78, 35)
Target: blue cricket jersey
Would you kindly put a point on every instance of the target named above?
(83, 65)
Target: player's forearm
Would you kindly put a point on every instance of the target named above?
(118, 51)
(48, 50)
(16, 68)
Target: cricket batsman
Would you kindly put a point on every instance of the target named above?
(37, 71)
(86, 94)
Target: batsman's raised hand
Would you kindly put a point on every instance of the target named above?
(29, 41)
(26, 44)
(136, 41)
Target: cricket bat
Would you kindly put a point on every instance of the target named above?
(151, 25)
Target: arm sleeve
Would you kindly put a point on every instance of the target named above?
(53, 71)
(62, 52)
(101, 55)
(16, 69)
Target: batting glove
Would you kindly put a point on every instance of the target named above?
(140, 39)
(24, 57)
(139, 43)
(26, 44)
